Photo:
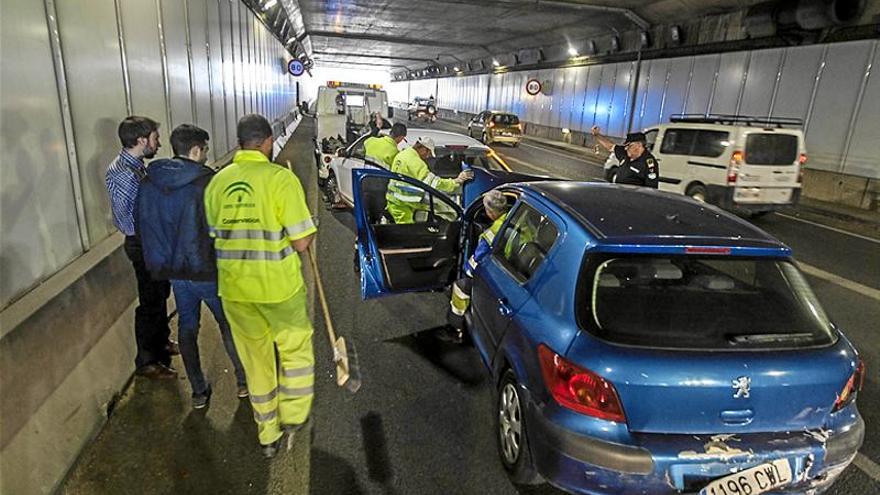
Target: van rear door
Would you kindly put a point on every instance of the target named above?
(769, 167)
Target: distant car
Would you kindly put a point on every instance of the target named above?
(424, 109)
(452, 152)
(496, 127)
(745, 164)
(677, 350)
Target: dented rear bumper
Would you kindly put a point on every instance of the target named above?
(657, 463)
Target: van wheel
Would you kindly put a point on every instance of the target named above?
(611, 174)
(515, 144)
(697, 192)
(513, 444)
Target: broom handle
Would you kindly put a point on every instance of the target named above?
(328, 323)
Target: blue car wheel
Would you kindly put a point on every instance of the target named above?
(513, 444)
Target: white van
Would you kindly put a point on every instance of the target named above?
(748, 164)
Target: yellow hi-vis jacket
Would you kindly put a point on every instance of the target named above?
(403, 198)
(254, 210)
(383, 149)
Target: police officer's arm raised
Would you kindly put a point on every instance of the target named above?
(602, 140)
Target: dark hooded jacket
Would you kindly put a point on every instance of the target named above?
(171, 221)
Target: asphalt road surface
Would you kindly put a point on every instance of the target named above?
(423, 421)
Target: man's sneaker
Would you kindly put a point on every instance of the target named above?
(157, 371)
(199, 401)
(243, 392)
(172, 348)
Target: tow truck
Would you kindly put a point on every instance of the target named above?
(343, 111)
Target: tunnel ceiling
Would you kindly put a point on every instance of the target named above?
(410, 33)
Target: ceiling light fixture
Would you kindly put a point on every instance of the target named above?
(572, 51)
(456, 69)
(268, 5)
(496, 63)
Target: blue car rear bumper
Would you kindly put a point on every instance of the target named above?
(679, 463)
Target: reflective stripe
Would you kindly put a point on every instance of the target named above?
(299, 228)
(431, 180)
(455, 310)
(472, 262)
(262, 399)
(255, 255)
(489, 236)
(297, 391)
(249, 234)
(407, 199)
(265, 417)
(296, 372)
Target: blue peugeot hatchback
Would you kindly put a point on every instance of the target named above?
(639, 342)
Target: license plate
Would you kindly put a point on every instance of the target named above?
(752, 481)
(769, 195)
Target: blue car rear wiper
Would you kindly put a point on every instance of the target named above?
(767, 338)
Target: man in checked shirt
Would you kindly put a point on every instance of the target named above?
(140, 140)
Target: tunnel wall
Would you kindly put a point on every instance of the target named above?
(71, 71)
(830, 86)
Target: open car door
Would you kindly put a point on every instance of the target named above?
(405, 257)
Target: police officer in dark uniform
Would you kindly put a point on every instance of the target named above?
(638, 166)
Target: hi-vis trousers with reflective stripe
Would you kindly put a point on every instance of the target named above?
(281, 394)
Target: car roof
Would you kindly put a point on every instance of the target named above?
(728, 127)
(443, 138)
(617, 214)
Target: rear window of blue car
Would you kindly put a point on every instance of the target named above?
(685, 302)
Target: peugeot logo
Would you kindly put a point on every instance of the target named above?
(742, 385)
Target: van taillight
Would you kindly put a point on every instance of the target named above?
(736, 159)
(579, 389)
(852, 388)
(802, 159)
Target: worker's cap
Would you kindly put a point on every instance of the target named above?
(635, 137)
(427, 143)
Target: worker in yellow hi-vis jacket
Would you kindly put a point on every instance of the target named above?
(403, 199)
(257, 214)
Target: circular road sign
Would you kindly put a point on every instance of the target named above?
(533, 87)
(295, 67)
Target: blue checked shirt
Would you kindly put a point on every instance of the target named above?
(123, 180)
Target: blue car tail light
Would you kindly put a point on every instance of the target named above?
(852, 388)
(579, 389)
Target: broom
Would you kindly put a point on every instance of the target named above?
(348, 372)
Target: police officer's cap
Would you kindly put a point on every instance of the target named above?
(635, 137)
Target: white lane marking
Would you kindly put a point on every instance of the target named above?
(843, 282)
(543, 170)
(534, 167)
(833, 229)
(868, 466)
(570, 156)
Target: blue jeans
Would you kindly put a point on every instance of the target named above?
(189, 295)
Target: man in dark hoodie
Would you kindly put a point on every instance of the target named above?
(174, 232)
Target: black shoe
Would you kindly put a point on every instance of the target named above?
(270, 450)
(450, 334)
(156, 371)
(200, 401)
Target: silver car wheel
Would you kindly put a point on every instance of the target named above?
(510, 423)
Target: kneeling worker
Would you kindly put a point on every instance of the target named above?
(404, 199)
(260, 222)
(496, 208)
